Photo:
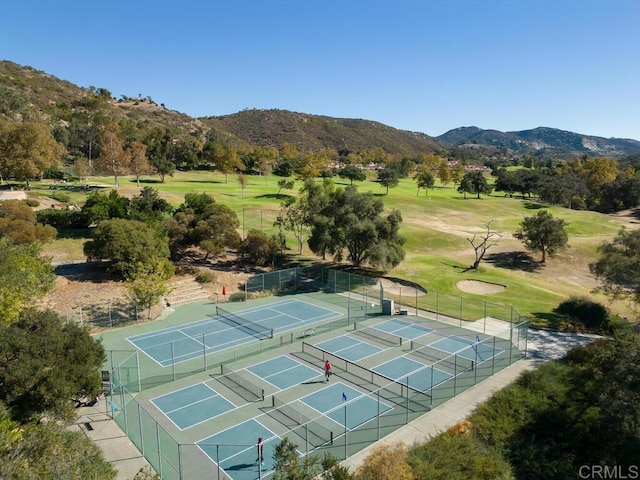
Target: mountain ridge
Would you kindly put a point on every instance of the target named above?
(37, 94)
(540, 141)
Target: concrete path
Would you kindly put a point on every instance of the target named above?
(542, 346)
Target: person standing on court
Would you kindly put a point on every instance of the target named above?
(260, 458)
(327, 370)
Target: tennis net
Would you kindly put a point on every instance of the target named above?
(247, 326)
(243, 387)
(456, 363)
(288, 415)
(384, 338)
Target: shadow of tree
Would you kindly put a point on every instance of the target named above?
(275, 196)
(553, 320)
(533, 206)
(514, 261)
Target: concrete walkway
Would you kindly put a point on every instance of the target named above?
(96, 424)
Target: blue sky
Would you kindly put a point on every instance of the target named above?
(419, 65)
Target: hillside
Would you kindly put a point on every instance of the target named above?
(314, 132)
(27, 93)
(541, 141)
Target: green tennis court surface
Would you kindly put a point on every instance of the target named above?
(415, 375)
(471, 349)
(240, 460)
(192, 405)
(192, 340)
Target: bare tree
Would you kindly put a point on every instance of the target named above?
(482, 243)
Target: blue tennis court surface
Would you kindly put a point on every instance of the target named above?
(468, 348)
(192, 405)
(403, 329)
(415, 375)
(349, 348)
(284, 372)
(235, 450)
(333, 400)
(192, 340)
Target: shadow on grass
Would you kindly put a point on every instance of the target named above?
(533, 206)
(84, 233)
(550, 320)
(275, 196)
(514, 261)
(148, 180)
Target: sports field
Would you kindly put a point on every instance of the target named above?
(196, 390)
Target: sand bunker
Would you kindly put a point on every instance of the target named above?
(479, 287)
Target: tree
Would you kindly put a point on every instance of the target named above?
(99, 206)
(126, 244)
(348, 220)
(27, 149)
(618, 267)
(25, 277)
(243, 180)
(457, 174)
(259, 249)
(159, 146)
(295, 217)
(113, 159)
(474, 183)
(148, 206)
(543, 233)
(352, 173)
(223, 157)
(482, 243)
(444, 172)
(138, 163)
(388, 178)
(289, 466)
(147, 283)
(286, 184)
(48, 450)
(424, 179)
(386, 462)
(44, 362)
(201, 222)
(18, 222)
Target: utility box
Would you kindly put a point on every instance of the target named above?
(388, 307)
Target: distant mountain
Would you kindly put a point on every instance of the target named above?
(541, 141)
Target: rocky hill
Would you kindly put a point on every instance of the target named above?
(541, 141)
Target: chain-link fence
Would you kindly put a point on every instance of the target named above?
(360, 298)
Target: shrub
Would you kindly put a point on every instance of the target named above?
(585, 312)
(32, 202)
(205, 277)
(61, 197)
(62, 219)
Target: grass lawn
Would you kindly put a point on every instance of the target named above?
(437, 227)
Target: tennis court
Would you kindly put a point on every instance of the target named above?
(470, 348)
(225, 329)
(192, 405)
(239, 460)
(207, 381)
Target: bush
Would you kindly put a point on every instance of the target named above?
(585, 312)
(61, 197)
(32, 202)
(62, 219)
(205, 277)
